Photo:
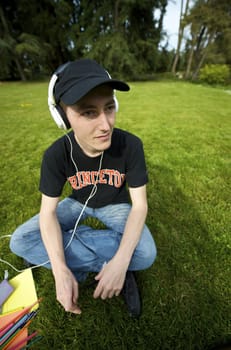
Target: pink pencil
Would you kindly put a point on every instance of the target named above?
(6, 328)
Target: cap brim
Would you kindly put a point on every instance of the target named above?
(80, 89)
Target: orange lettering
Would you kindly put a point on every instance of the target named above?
(73, 182)
(86, 176)
(79, 181)
(94, 177)
(110, 173)
(102, 180)
(105, 176)
(117, 179)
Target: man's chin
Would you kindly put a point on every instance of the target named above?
(105, 146)
(104, 143)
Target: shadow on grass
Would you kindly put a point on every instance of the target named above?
(191, 294)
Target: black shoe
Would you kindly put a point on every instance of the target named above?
(131, 295)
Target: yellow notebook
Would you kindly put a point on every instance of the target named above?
(24, 293)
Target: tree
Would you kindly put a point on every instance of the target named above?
(43, 34)
(21, 52)
(182, 24)
(111, 32)
(209, 20)
(30, 37)
(8, 47)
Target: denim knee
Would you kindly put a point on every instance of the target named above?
(145, 252)
(150, 255)
(17, 244)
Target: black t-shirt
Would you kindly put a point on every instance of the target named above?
(123, 163)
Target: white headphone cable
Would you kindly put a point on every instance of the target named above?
(91, 195)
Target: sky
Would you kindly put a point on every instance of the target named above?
(171, 22)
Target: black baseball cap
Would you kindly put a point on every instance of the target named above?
(79, 77)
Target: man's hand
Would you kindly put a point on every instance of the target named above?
(67, 290)
(111, 280)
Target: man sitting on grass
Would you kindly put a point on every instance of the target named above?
(106, 169)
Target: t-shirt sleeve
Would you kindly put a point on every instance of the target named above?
(136, 174)
(52, 176)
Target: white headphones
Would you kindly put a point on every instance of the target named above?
(56, 111)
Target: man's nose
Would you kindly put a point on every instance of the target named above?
(104, 121)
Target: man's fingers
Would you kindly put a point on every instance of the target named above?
(71, 308)
(76, 310)
(105, 293)
(67, 291)
(117, 293)
(97, 291)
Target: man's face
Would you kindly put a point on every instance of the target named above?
(92, 119)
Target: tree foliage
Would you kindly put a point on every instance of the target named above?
(214, 74)
(40, 35)
(126, 36)
(209, 23)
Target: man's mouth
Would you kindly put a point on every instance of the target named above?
(104, 137)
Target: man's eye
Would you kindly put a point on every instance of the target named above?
(89, 114)
(111, 108)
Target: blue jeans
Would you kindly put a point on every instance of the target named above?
(90, 247)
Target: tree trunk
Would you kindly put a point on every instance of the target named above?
(191, 54)
(7, 33)
(196, 72)
(20, 70)
(203, 56)
(161, 18)
(116, 18)
(180, 35)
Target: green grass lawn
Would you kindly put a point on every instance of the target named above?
(186, 294)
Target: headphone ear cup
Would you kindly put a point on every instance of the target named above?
(116, 104)
(57, 117)
(63, 117)
(56, 111)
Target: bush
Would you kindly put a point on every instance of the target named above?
(215, 74)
